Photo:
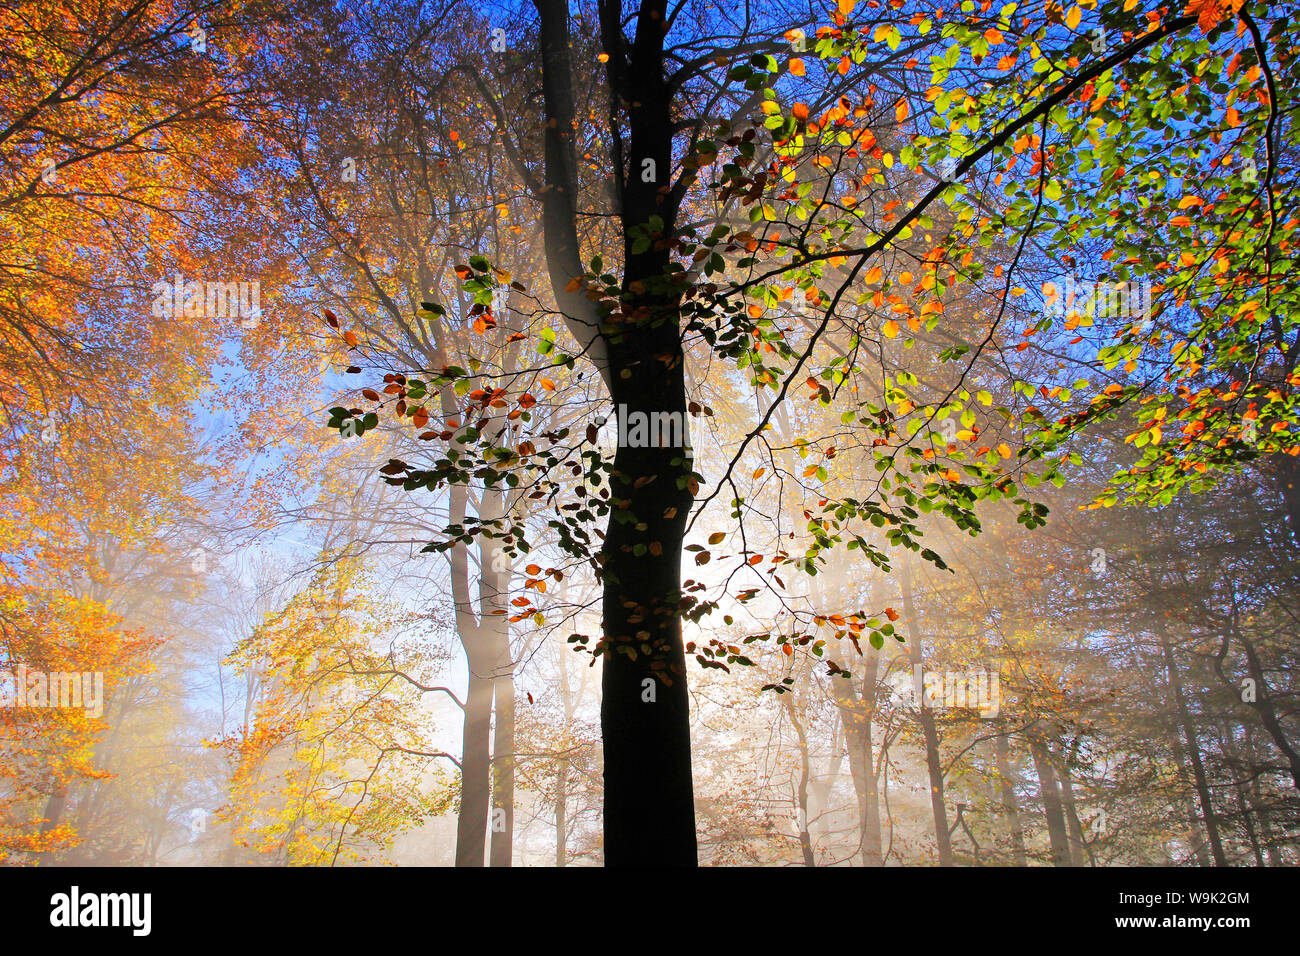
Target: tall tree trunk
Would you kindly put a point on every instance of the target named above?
(1257, 802)
(801, 793)
(1009, 804)
(1052, 809)
(475, 759)
(1264, 704)
(1199, 775)
(494, 587)
(869, 793)
(1241, 790)
(562, 814)
(472, 823)
(930, 734)
(1077, 845)
(644, 713)
(503, 761)
(1194, 827)
(856, 713)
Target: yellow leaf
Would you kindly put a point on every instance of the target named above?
(1073, 17)
(890, 329)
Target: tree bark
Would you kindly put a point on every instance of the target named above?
(503, 761)
(1052, 808)
(1199, 776)
(494, 628)
(930, 734)
(649, 798)
(472, 823)
(857, 714)
(1264, 704)
(1010, 806)
(801, 794)
(1078, 847)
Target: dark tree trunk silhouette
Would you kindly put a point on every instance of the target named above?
(649, 797)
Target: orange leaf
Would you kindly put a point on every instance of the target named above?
(901, 110)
